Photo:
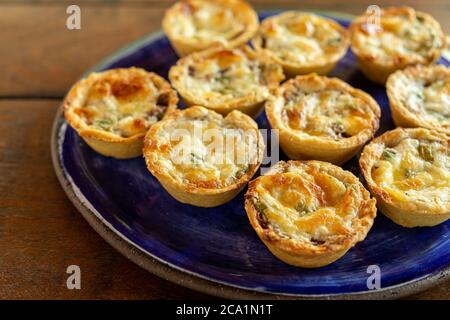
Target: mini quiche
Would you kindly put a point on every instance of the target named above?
(202, 158)
(403, 37)
(420, 97)
(309, 214)
(112, 110)
(302, 42)
(226, 79)
(408, 172)
(195, 25)
(322, 118)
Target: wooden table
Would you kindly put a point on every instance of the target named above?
(41, 233)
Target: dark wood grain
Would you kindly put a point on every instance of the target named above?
(41, 233)
(46, 57)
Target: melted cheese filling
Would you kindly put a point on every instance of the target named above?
(307, 205)
(431, 101)
(208, 21)
(300, 38)
(227, 75)
(123, 106)
(205, 153)
(331, 113)
(401, 35)
(415, 170)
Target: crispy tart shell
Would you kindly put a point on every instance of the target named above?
(306, 254)
(103, 142)
(406, 214)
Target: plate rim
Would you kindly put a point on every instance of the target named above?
(185, 278)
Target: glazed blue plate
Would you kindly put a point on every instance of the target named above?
(216, 250)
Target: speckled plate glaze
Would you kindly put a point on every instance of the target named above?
(216, 250)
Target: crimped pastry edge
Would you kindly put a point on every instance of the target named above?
(308, 255)
(185, 46)
(310, 147)
(292, 69)
(401, 114)
(251, 105)
(106, 143)
(378, 70)
(409, 214)
(202, 197)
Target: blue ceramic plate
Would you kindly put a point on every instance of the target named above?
(216, 250)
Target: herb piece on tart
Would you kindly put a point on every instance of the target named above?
(408, 172)
(309, 213)
(112, 110)
(322, 118)
(203, 158)
(404, 37)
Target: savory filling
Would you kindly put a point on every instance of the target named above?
(308, 204)
(300, 38)
(428, 99)
(205, 152)
(406, 35)
(208, 20)
(229, 74)
(330, 114)
(123, 105)
(415, 170)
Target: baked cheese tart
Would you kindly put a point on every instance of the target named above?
(226, 79)
(112, 110)
(309, 213)
(420, 97)
(408, 172)
(202, 158)
(195, 25)
(322, 118)
(302, 42)
(402, 38)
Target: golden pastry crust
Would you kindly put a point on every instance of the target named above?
(322, 118)
(112, 110)
(195, 25)
(208, 175)
(407, 171)
(309, 213)
(302, 42)
(226, 79)
(405, 37)
(420, 97)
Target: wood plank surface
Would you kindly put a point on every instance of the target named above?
(47, 58)
(41, 233)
